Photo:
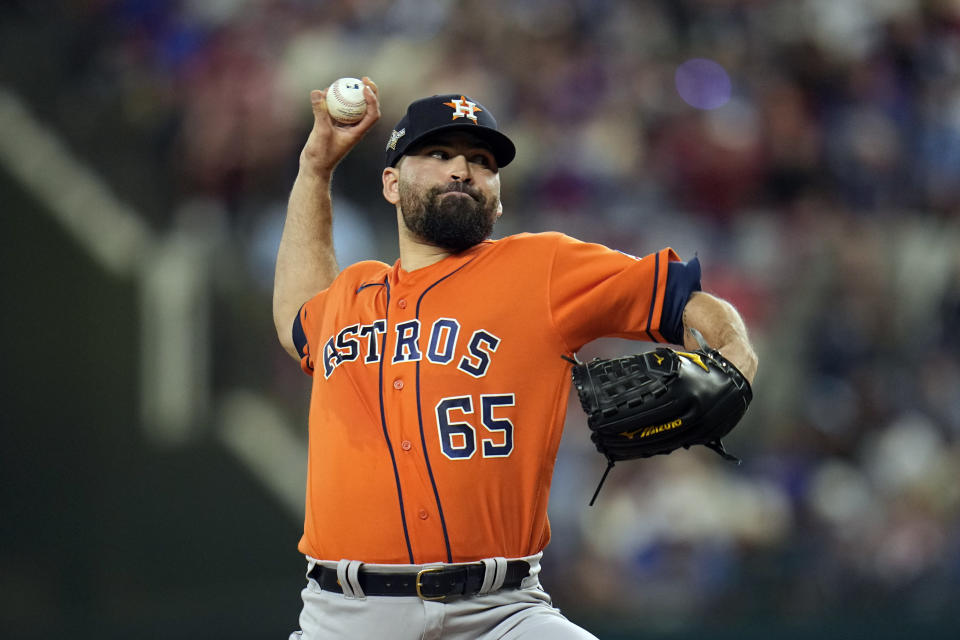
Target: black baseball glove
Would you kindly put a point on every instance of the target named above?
(656, 402)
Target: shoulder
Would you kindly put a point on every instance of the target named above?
(541, 237)
(564, 247)
(360, 273)
(350, 279)
(560, 247)
(545, 240)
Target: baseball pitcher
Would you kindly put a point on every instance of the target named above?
(440, 382)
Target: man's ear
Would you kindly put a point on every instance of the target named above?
(391, 185)
(499, 209)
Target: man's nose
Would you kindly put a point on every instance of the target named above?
(460, 169)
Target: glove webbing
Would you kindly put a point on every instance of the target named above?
(610, 463)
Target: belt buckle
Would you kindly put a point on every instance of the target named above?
(419, 585)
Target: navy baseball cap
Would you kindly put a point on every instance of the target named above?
(450, 112)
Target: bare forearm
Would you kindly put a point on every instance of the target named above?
(306, 262)
(722, 327)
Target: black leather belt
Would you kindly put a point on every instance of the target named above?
(431, 583)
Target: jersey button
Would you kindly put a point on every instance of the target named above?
(398, 384)
(423, 514)
(402, 303)
(405, 445)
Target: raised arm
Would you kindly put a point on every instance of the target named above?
(723, 329)
(306, 263)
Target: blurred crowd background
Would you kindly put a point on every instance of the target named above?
(821, 193)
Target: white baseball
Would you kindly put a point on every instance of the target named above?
(345, 101)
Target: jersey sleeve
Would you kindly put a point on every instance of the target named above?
(596, 292)
(304, 330)
(307, 327)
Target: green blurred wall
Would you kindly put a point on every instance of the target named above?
(103, 535)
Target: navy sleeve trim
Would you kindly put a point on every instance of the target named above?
(653, 295)
(683, 278)
(299, 337)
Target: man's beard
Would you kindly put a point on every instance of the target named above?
(452, 223)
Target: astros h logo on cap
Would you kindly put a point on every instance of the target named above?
(464, 108)
(448, 112)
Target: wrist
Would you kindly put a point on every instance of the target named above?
(743, 357)
(315, 164)
(314, 175)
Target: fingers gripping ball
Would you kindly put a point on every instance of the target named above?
(656, 402)
(345, 101)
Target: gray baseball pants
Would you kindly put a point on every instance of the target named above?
(508, 614)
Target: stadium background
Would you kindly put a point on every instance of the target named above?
(151, 467)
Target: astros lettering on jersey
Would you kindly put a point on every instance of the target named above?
(447, 383)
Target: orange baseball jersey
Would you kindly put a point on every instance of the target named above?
(439, 395)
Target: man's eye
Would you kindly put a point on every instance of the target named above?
(439, 154)
(482, 160)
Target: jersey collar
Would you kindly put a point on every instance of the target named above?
(401, 277)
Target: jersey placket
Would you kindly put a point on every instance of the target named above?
(401, 360)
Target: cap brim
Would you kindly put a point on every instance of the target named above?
(501, 146)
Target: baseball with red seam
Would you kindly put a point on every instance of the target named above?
(345, 101)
